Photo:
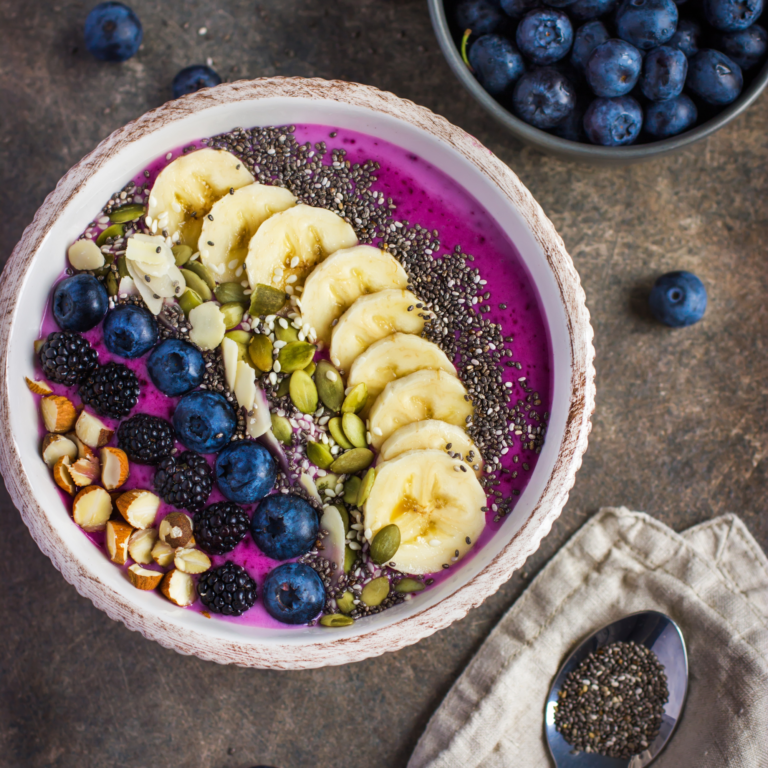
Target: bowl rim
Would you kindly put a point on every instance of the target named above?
(409, 629)
(573, 150)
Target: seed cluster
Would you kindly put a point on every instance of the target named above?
(613, 702)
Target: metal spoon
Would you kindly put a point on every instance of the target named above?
(654, 630)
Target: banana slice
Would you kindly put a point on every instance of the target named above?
(432, 435)
(437, 509)
(372, 318)
(185, 191)
(392, 358)
(345, 276)
(416, 397)
(287, 246)
(232, 222)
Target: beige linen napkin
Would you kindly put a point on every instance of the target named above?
(712, 579)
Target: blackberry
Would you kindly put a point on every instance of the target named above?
(220, 527)
(67, 358)
(184, 481)
(146, 439)
(111, 390)
(228, 590)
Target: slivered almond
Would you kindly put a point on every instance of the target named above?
(179, 588)
(92, 508)
(176, 529)
(38, 387)
(138, 507)
(59, 414)
(143, 578)
(117, 536)
(56, 446)
(163, 553)
(191, 560)
(114, 468)
(62, 476)
(85, 471)
(92, 431)
(140, 545)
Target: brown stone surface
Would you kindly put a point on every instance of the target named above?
(681, 428)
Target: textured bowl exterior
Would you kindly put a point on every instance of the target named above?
(209, 639)
(572, 150)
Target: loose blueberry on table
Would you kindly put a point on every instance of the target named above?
(236, 372)
(679, 63)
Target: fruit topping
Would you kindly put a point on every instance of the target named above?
(58, 413)
(228, 590)
(143, 578)
(91, 431)
(284, 526)
(245, 472)
(221, 527)
(79, 303)
(179, 588)
(92, 508)
(146, 439)
(111, 390)
(204, 421)
(176, 367)
(138, 508)
(67, 358)
(114, 468)
(185, 481)
(130, 331)
(293, 593)
(176, 529)
(117, 537)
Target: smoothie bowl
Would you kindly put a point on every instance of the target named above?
(294, 373)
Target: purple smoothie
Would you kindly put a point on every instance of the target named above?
(424, 195)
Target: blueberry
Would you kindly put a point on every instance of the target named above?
(713, 77)
(204, 421)
(678, 299)
(745, 47)
(586, 39)
(518, 8)
(284, 526)
(176, 367)
(245, 472)
(646, 23)
(572, 127)
(613, 122)
(79, 303)
(130, 331)
(585, 10)
(194, 78)
(293, 593)
(544, 36)
(686, 38)
(560, 3)
(497, 63)
(668, 118)
(731, 15)
(112, 32)
(613, 68)
(664, 71)
(543, 98)
(481, 16)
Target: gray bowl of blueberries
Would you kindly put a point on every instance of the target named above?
(607, 81)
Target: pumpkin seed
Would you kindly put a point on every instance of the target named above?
(260, 352)
(365, 487)
(102, 271)
(351, 489)
(350, 558)
(295, 356)
(116, 230)
(303, 392)
(375, 592)
(355, 401)
(404, 586)
(283, 388)
(344, 514)
(310, 369)
(336, 620)
(111, 283)
(385, 544)
(286, 334)
(202, 272)
(330, 481)
(122, 269)
(233, 314)
(197, 284)
(337, 432)
(330, 386)
(266, 300)
(182, 254)
(282, 430)
(346, 602)
(319, 455)
(354, 429)
(126, 213)
(239, 337)
(189, 300)
(352, 461)
(226, 293)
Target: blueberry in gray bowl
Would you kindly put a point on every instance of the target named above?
(588, 36)
(543, 98)
(498, 65)
(664, 72)
(646, 23)
(613, 122)
(481, 16)
(613, 68)
(544, 36)
(668, 118)
(746, 47)
(714, 78)
(731, 15)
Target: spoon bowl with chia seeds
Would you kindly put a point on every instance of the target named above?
(618, 698)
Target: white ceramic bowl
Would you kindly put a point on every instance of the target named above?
(38, 258)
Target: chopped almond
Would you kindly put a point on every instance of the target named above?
(59, 414)
(140, 545)
(143, 578)
(139, 508)
(62, 476)
(56, 446)
(191, 560)
(117, 536)
(179, 588)
(163, 553)
(83, 451)
(85, 471)
(114, 468)
(92, 508)
(92, 431)
(38, 387)
(176, 529)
